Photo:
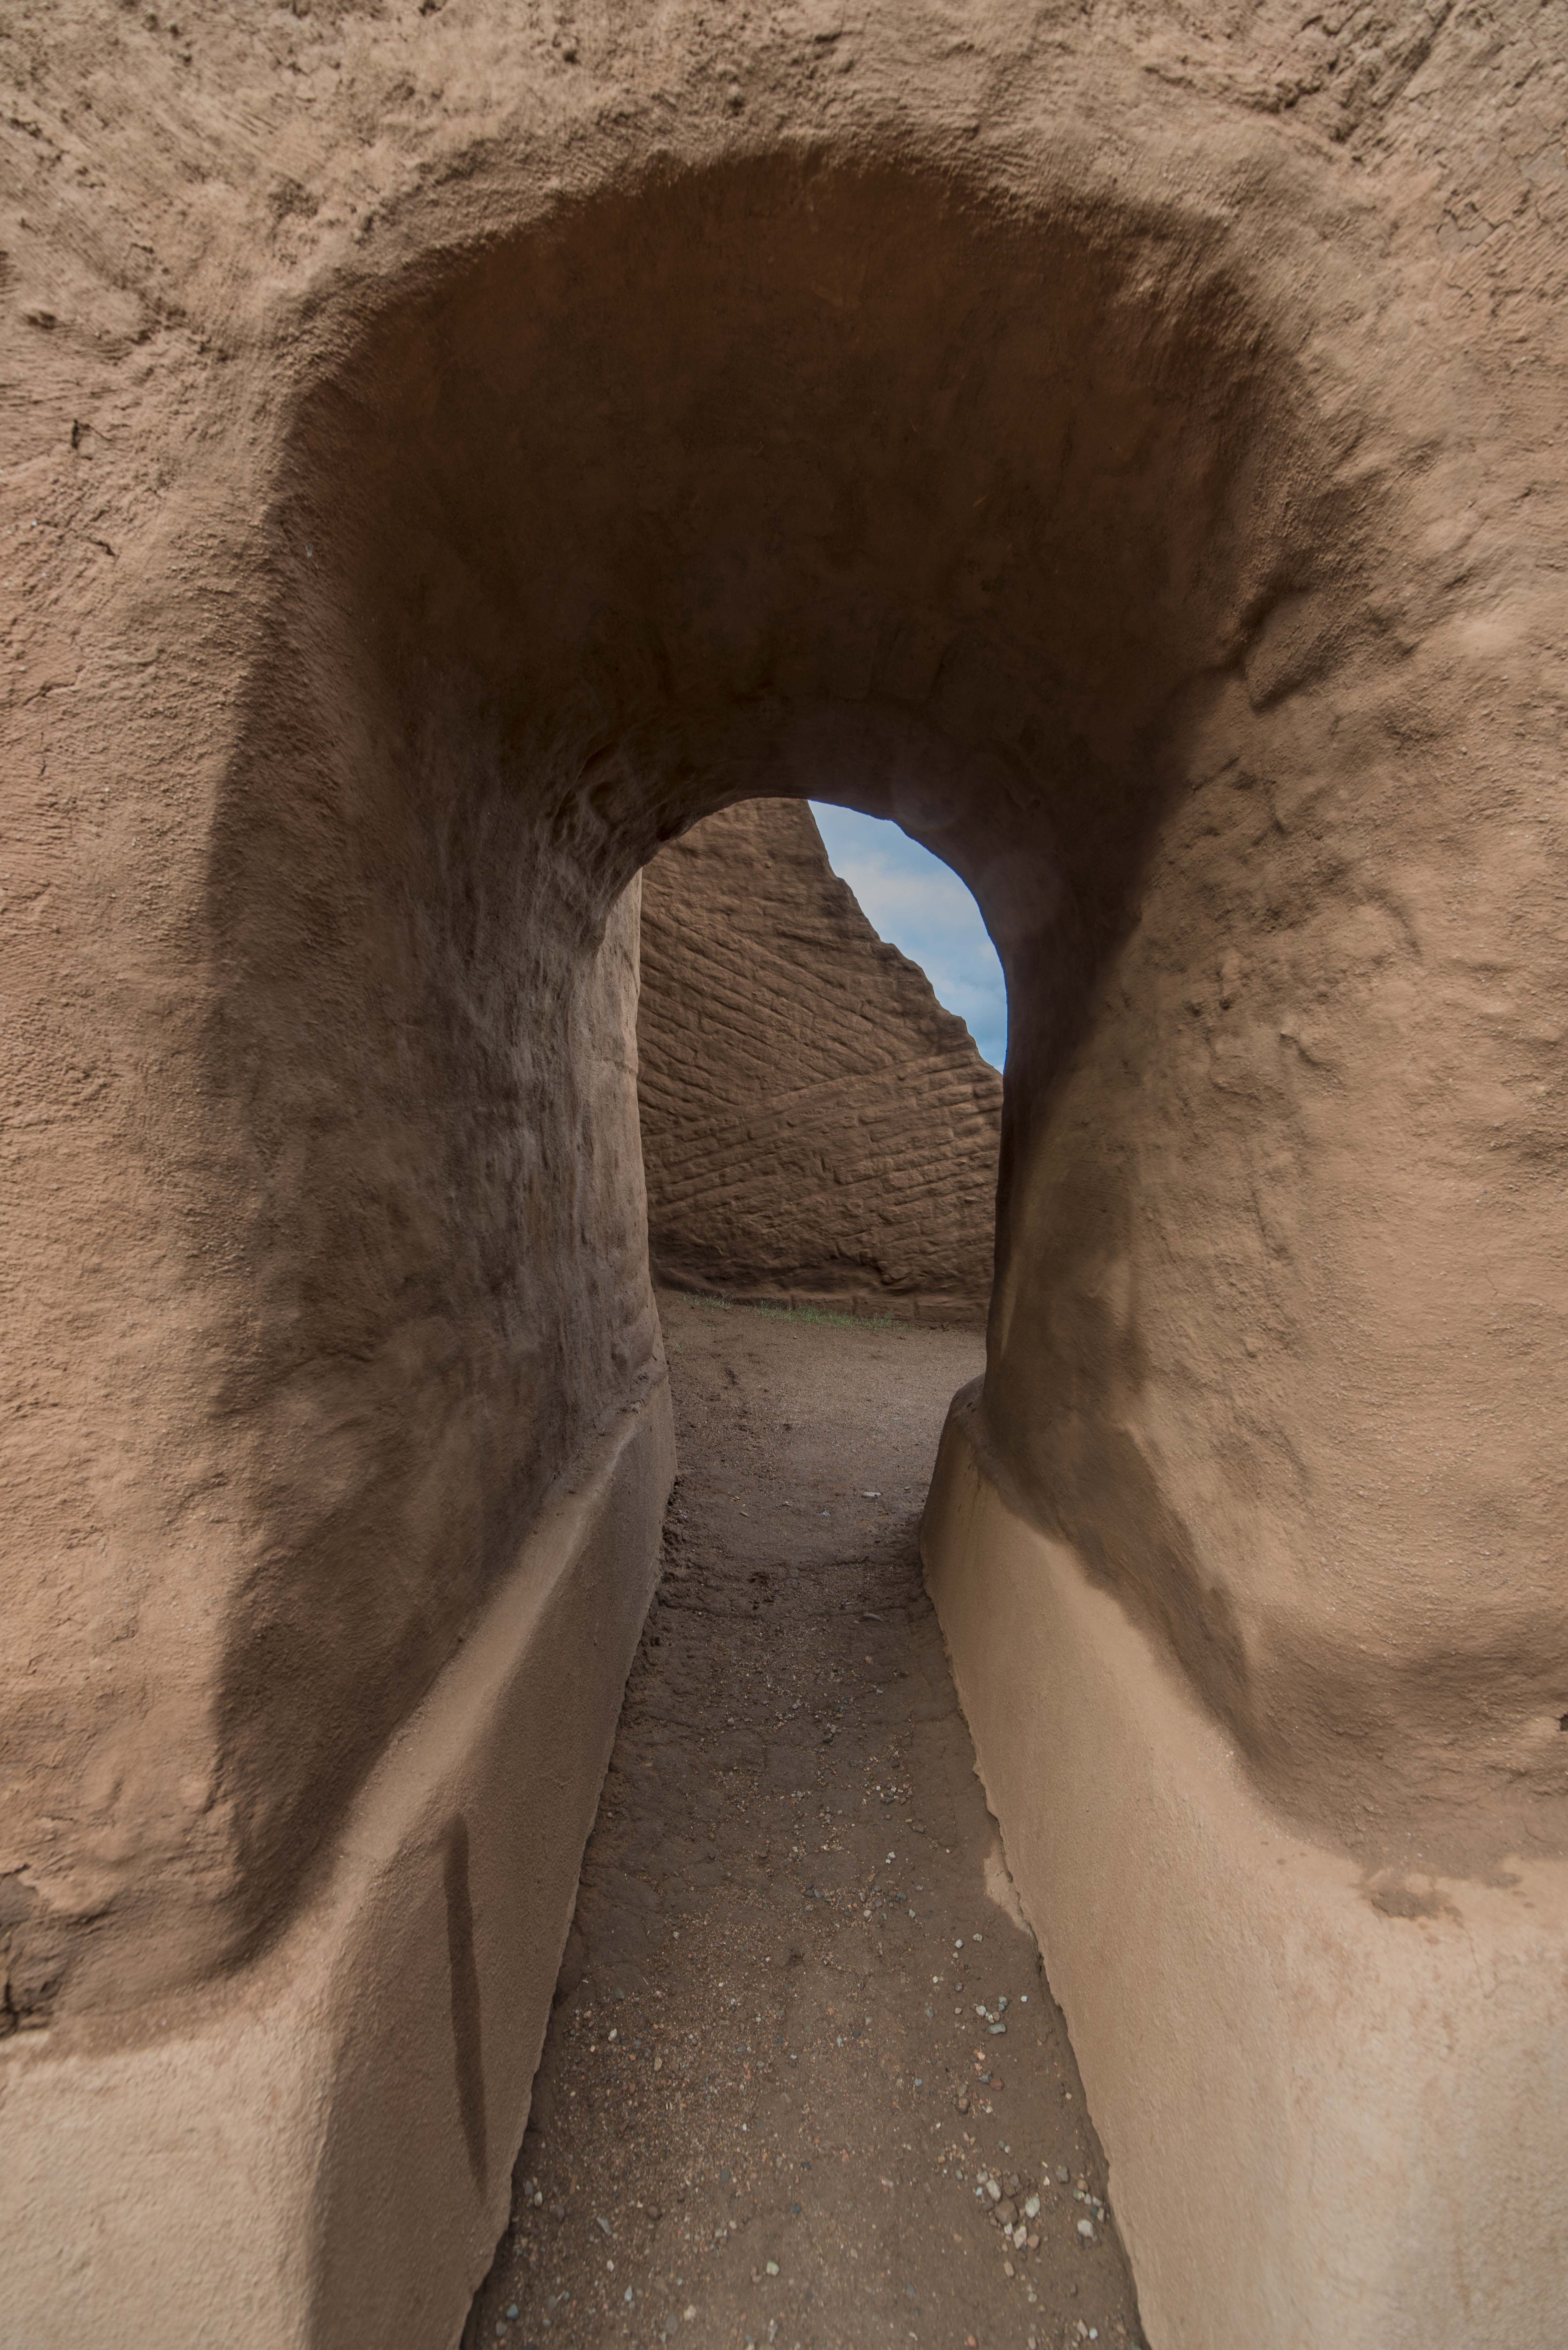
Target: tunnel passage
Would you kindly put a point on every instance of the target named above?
(1013, 518)
(449, 466)
(783, 477)
(1015, 524)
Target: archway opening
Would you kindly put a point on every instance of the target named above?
(818, 1130)
(782, 479)
(1044, 442)
(998, 514)
(800, 2016)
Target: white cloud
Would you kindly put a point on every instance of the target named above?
(918, 903)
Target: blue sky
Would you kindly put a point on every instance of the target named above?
(918, 903)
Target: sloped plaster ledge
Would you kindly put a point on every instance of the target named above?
(321, 2152)
(1325, 2124)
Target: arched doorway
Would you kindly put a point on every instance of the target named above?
(1007, 502)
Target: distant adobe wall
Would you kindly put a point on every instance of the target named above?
(815, 1124)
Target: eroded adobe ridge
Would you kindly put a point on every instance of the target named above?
(815, 1124)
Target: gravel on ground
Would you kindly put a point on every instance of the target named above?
(804, 2083)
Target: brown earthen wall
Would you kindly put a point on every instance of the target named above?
(815, 1124)
(446, 458)
(1092, 522)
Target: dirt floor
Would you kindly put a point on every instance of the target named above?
(804, 2083)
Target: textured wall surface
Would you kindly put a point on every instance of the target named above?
(448, 452)
(1115, 468)
(815, 1124)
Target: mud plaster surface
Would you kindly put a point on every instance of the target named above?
(791, 1845)
(453, 451)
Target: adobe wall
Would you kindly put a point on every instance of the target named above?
(815, 1127)
(450, 453)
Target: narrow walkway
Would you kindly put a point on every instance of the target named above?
(804, 2083)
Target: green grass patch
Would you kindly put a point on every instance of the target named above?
(829, 1320)
(821, 1314)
